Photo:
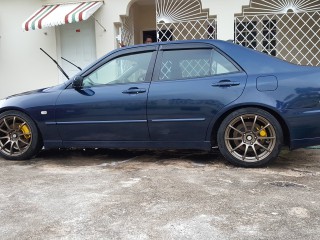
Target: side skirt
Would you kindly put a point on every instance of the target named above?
(306, 142)
(138, 145)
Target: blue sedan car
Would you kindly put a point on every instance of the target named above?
(196, 94)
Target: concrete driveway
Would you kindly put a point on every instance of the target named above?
(114, 194)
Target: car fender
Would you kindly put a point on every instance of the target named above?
(269, 105)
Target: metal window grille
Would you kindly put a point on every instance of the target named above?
(286, 29)
(183, 20)
(191, 68)
(262, 7)
(195, 68)
(166, 69)
(291, 36)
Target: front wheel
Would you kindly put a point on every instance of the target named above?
(250, 137)
(19, 137)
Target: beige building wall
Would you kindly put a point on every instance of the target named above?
(23, 66)
(110, 13)
(144, 20)
(225, 11)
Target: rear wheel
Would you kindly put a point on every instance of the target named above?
(19, 137)
(250, 137)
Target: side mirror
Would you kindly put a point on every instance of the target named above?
(77, 82)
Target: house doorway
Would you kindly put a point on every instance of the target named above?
(164, 35)
(149, 33)
(140, 22)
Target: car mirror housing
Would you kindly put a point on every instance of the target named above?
(77, 82)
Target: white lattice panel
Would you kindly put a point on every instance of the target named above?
(165, 70)
(186, 69)
(195, 68)
(199, 29)
(260, 7)
(183, 20)
(290, 36)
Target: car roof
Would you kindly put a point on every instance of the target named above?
(252, 61)
(210, 41)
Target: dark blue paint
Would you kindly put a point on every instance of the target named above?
(187, 100)
(267, 83)
(180, 113)
(118, 116)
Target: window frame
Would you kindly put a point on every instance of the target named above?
(190, 46)
(122, 53)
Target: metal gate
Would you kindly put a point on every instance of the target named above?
(182, 20)
(286, 29)
(176, 20)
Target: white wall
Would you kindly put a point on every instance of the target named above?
(144, 20)
(225, 10)
(23, 66)
(110, 13)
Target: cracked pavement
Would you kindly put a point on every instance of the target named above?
(120, 194)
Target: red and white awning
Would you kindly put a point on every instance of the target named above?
(54, 15)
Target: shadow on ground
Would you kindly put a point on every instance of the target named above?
(190, 158)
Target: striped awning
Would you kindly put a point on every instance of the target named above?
(54, 15)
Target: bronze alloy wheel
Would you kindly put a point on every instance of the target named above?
(250, 137)
(15, 136)
(19, 139)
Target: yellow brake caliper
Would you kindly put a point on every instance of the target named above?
(26, 131)
(263, 133)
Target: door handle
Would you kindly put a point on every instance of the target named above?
(134, 90)
(225, 83)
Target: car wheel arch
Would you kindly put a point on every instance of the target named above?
(212, 133)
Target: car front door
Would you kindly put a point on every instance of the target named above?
(111, 104)
(192, 82)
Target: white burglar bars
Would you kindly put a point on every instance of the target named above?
(183, 20)
(291, 31)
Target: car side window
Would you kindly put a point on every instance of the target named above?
(124, 69)
(194, 63)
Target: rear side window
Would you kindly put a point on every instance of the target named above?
(194, 63)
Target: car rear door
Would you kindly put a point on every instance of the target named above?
(111, 106)
(191, 83)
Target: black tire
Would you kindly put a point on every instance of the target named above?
(19, 136)
(250, 137)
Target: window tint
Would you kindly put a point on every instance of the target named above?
(125, 69)
(194, 63)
